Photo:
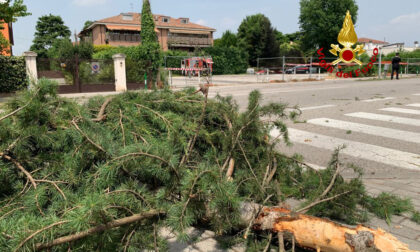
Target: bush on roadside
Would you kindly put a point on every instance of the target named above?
(12, 74)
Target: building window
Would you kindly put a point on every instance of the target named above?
(165, 19)
(184, 21)
(127, 17)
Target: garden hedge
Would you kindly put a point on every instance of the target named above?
(12, 74)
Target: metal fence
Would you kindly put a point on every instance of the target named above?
(298, 68)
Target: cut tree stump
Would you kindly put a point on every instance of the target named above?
(322, 234)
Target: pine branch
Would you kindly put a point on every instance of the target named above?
(197, 130)
(37, 232)
(54, 183)
(101, 115)
(86, 136)
(20, 167)
(305, 209)
(99, 228)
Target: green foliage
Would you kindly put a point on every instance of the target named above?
(87, 24)
(162, 150)
(321, 21)
(228, 60)
(12, 74)
(148, 33)
(258, 38)
(65, 49)
(149, 52)
(10, 12)
(4, 44)
(49, 28)
(416, 217)
(291, 50)
(385, 205)
(228, 39)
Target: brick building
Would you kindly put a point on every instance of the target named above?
(124, 30)
(7, 32)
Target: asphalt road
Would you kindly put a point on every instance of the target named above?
(379, 121)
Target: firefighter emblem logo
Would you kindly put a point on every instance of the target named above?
(347, 38)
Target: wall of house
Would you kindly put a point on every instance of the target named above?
(5, 32)
(123, 43)
(163, 39)
(99, 35)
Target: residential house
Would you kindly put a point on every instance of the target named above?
(7, 32)
(125, 30)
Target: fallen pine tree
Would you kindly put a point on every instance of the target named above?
(105, 176)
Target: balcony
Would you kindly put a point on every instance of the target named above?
(189, 42)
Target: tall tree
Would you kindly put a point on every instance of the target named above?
(258, 37)
(228, 39)
(321, 21)
(48, 29)
(149, 51)
(8, 14)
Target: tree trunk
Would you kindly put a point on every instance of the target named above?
(321, 234)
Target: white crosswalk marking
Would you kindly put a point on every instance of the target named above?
(401, 110)
(368, 129)
(317, 167)
(386, 118)
(379, 99)
(414, 105)
(356, 149)
(417, 94)
(317, 107)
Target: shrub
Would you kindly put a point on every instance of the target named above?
(228, 60)
(12, 74)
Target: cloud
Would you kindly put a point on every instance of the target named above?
(406, 19)
(89, 2)
(201, 22)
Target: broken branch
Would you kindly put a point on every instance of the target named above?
(20, 167)
(101, 115)
(99, 228)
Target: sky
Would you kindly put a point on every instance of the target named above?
(394, 21)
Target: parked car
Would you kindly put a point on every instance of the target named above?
(302, 69)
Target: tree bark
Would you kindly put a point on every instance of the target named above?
(99, 228)
(325, 235)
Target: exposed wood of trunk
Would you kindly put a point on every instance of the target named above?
(325, 235)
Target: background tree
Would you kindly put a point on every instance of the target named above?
(258, 38)
(149, 51)
(9, 14)
(87, 24)
(321, 21)
(48, 29)
(228, 39)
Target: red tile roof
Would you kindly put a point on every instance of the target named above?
(173, 23)
(374, 41)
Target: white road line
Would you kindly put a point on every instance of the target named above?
(318, 107)
(414, 105)
(317, 167)
(386, 118)
(417, 94)
(356, 149)
(401, 110)
(267, 92)
(379, 99)
(368, 129)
